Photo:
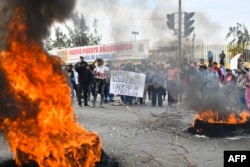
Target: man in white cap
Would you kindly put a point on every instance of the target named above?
(100, 73)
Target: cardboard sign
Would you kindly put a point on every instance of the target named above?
(127, 83)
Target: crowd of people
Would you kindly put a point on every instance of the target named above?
(194, 80)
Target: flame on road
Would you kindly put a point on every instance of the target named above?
(45, 130)
(211, 116)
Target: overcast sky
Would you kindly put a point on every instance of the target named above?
(118, 18)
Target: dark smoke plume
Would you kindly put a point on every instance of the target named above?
(39, 15)
(224, 99)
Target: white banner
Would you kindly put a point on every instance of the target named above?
(127, 83)
(234, 62)
(117, 51)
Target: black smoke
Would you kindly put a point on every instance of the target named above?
(38, 16)
(222, 99)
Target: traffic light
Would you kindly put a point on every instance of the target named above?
(188, 23)
(171, 21)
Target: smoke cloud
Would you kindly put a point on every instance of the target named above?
(39, 15)
(223, 99)
(117, 21)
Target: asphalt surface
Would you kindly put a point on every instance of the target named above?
(145, 136)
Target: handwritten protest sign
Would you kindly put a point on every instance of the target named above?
(127, 83)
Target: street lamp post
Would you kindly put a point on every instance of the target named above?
(135, 33)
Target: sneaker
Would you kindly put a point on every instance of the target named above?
(101, 106)
(86, 105)
(80, 105)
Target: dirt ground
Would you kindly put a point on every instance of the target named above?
(145, 136)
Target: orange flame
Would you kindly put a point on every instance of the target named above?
(46, 130)
(211, 116)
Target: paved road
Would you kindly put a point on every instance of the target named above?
(145, 136)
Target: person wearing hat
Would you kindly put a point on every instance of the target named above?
(78, 64)
(100, 73)
(84, 80)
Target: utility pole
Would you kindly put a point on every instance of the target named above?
(179, 56)
(183, 31)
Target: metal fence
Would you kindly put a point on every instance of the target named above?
(193, 53)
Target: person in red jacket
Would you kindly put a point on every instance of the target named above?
(218, 70)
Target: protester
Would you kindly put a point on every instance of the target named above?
(73, 75)
(212, 78)
(222, 56)
(193, 80)
(100, 73)
(128, 100)
(92, 81)
(241, 66)
(241, 85)
(148, 81)
(223, 72)
(108, 97)
(157, 86)
(164, 91)
(173, 79)
(247, 92)
(211, 88)
(84, 79)
(201, 84)
(81, 61)
(203, 74)
(229, 78)
(218, 70)
(202, 62)
(210, 57)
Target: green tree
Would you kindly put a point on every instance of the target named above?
(94, 38)
(48, 42)
(240, 39)
(76, 34)
(60, 40)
